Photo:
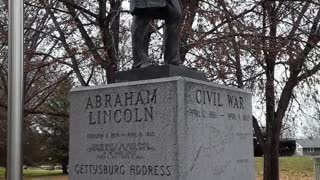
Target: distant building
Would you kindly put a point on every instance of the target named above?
(307, 147)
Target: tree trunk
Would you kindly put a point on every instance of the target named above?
(271, 158)
(64, 168)
(271, 152)
(112, 41)
(190, 9)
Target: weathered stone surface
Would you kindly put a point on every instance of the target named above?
(169, 129)
(156, 71)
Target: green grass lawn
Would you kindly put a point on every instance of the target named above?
(41, 172)
(291, 168)
(35, 172)
(1, 171)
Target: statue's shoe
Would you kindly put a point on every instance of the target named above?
(142, 65)
(184, 66)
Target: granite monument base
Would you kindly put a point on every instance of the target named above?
(162, 129)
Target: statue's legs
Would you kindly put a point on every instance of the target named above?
(140, 41)
(173, 22)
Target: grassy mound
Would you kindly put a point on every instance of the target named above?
(35, 172)
(291, 168)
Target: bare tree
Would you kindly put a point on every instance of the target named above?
(97, 28)
(268, 47)
(42, 72)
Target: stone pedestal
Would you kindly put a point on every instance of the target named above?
(156, 71)
(163, 129)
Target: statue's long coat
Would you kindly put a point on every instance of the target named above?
(153, 6)
(141, 4)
